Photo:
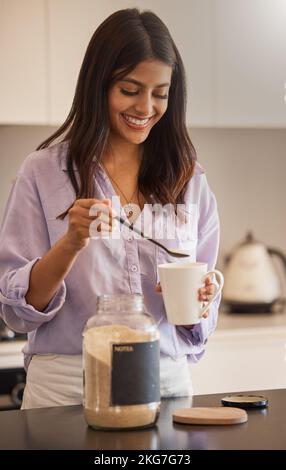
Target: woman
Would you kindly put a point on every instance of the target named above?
(125, 136)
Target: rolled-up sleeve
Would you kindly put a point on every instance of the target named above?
(207, 252)
(24, 239)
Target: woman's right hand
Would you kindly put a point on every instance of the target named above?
(78, 234)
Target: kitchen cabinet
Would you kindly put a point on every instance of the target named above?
(250, 63)
(71, 23)
(23, 64)
(243, 358)
(234, 55)
(12, 374)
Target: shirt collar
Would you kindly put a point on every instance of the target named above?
(198, 170)
(64, 165)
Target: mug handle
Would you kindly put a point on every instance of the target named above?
(220, 277)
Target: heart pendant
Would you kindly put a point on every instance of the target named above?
(132, 211)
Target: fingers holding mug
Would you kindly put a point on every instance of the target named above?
(206, 293)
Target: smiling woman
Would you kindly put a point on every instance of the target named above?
(125, 138)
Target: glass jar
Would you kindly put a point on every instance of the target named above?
(121, 365)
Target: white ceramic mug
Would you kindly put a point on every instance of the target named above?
(180, 283)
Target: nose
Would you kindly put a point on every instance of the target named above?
(144, 104)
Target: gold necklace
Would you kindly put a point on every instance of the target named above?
(131, 209)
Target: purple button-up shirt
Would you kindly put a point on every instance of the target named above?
(41, 191)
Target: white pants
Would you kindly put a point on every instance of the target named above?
(56, 380)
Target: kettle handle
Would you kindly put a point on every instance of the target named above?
(279, 254)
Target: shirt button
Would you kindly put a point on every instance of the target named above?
(129, 239)
(134, 268)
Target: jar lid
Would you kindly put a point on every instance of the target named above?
(245, 401)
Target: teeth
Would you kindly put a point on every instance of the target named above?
(137, 122)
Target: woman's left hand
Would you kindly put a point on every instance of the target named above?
(204, 295)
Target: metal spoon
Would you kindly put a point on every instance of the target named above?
(171, 252)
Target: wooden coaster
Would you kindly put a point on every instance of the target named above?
(212, 415)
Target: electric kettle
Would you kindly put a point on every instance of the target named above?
(252, 282)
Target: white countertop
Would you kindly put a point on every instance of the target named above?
(11, 351)
(227, 321)
(11, 355)
(245, 352)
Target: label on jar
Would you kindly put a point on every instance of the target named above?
(135, 375)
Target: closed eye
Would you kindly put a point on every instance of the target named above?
(129, 93)
(133, 93)
(162, 97)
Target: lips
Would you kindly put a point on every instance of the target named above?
(135, 122)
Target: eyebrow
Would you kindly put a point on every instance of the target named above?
(135, 82)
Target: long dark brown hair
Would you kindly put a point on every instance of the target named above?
(119, 44)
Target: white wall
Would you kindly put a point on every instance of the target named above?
(246, 169)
